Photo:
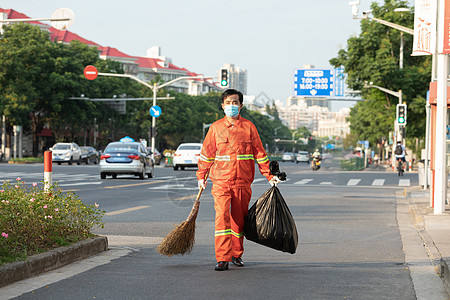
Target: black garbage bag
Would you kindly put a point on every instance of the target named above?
(270, 223)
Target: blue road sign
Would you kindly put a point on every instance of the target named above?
(155, 111)
(339, 82)
(313, 82)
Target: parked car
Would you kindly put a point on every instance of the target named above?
(288, 156)
(158, 155)
(126, 158)
(302, 156)
(89, 155)
(186, 155)
(66, 152)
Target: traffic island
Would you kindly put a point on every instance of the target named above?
(53, 259)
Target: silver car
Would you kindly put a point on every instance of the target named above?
(126, 158)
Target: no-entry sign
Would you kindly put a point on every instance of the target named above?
(90, 72)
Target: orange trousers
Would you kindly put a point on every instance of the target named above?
(231, 205)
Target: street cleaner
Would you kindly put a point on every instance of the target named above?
(229, 152)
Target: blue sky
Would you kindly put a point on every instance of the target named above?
(268, 38)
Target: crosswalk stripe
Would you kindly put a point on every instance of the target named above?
(303, 181)
(353, 181)
(404, 182)
(378, 182)
(326, 183)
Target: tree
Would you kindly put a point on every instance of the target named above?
(373, 56)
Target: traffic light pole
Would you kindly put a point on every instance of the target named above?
(398, 135)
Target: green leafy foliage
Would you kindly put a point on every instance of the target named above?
(32, 220)
(373, 56)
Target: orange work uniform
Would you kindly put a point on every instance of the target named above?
(229, 151)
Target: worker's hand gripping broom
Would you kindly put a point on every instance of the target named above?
(181, 239)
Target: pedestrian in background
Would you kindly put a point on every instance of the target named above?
(229, 152)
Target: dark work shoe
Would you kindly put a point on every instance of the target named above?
(237, 261)
(221, 266)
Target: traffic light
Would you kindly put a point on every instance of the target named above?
(224, 78)
(401, 114)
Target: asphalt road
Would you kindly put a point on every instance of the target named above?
(349, 242)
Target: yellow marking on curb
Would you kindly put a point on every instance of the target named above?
(133, 184)
(112, 213)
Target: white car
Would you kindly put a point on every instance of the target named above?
(186, 155)
(288, 156)
(66, 152)
(302, 156)
(126, 158)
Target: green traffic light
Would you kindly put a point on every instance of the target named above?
(401, 120)
(224, 83)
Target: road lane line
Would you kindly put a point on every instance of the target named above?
(185, 197)
(80, 183)
(378, 182)
(404, 182)
(326, 183)
(133, 184)
(353, 181)
(121, 211)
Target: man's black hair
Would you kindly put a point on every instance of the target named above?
(230, 92)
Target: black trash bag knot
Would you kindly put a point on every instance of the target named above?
(274, 168)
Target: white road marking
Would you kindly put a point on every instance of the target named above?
(304, 181)
(353, 181)
(326, 183)
(378, 182)
(81, 183)
(404, 182)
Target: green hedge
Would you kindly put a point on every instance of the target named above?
(354, 164)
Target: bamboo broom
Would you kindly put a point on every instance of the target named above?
(181, 239)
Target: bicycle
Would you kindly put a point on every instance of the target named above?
(400, 167)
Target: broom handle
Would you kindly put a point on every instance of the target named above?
(196, 205)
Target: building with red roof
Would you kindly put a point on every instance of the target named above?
(145, 68)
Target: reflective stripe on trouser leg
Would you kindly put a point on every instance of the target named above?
(229, 230)
(239, 209)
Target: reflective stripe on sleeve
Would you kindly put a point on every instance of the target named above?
(245, 157)
(207, 159)
(223, 232)
(261, 160)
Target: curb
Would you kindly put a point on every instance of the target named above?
(445, 273)
(53, 259)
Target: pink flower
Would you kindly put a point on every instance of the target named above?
(56, 209)
(50, 217)
(45, 206)
(96, 205)
(5, 201)
(1, 191)
(18, 178)
(17, 186)
(32, 199)
(34, 184)
(5, 235)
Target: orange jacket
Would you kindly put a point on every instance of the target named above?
(230, 150)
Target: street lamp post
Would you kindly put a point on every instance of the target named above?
(154, 89)
(402, 29)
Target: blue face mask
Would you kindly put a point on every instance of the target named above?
(231, 110)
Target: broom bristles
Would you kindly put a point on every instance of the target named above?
(179, 241)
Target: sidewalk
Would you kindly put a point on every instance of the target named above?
(434, 230)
